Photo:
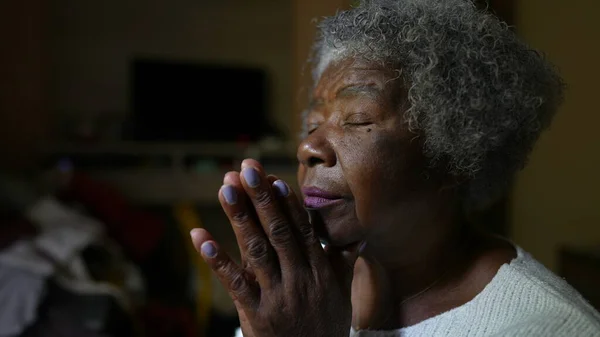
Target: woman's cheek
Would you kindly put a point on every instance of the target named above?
(300, 174)
(362, 168)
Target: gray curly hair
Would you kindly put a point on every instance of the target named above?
(478, 95)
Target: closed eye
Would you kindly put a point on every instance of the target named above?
(311, 128)
(358, 119)
(359, 123)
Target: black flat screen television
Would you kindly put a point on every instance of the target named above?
(189, 102)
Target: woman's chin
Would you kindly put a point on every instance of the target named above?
(337, 226)
(341, 233)
(344, 242)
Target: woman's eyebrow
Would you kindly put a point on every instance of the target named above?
(370, 89)
(314, 103)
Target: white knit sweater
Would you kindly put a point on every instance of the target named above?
(523, 299)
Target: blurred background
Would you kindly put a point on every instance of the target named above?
(119, 118)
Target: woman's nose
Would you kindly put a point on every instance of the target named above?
(315, 150)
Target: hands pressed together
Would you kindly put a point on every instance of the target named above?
(287, 285)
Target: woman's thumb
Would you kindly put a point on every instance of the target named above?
(371, 296)
(342, 262)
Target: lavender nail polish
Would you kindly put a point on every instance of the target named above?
(229, 194)
(362, 247)
(251, 176)
(209, 249)
(281, 188)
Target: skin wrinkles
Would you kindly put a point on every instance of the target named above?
(402, 194)
(371, 96)
(386, 201)
(394, 200)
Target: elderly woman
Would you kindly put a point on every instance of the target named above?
(422, 111)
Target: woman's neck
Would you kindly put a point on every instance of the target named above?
(419, 242)
(447, 275)
(430, 262)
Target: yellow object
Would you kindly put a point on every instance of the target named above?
(188, 219)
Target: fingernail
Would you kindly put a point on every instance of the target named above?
(281, 188)
(361, 248)
(251, 177)
(209, 249)
(229, 194)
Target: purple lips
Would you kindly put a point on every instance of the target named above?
(317, 198)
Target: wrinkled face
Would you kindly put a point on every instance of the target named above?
(361, 170)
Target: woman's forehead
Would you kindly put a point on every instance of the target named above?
(338, 75)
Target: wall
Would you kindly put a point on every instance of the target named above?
(557, 198)
(23, 101)
(306, 14)
(93, 41)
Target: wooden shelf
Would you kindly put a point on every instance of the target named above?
(176, 182)
(166, 187)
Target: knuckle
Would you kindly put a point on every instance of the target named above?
(307, 233)
(257, 250)
(279, 230)
(232, 278)
(262, 199)
(223, 267)
(238, 283)
(240, 218)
